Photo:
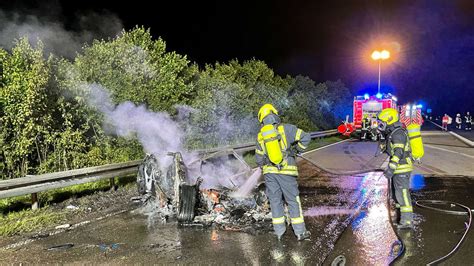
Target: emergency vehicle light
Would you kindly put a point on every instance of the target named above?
(379, 95)
(366, 96)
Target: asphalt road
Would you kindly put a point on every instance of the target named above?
(346, 214)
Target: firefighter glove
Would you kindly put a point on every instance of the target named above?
(388, 173)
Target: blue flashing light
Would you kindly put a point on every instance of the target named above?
(379, 95)
(419, 106)
(366, 96)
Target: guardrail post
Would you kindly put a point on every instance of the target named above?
(34, 201)
(112, 183)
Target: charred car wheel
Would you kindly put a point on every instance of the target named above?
(187, 196)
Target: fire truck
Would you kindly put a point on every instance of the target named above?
(368, 106)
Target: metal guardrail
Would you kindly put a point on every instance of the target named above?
(39, 183)
(320, 134)
(251, 145)
(466, 141)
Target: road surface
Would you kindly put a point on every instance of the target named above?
(347, 216)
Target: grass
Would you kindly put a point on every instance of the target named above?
(249, 157)
(17, 216)
(28, 220)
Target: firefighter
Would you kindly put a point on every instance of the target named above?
(458, 121)
(276, 150)
(365, 127)
(468, 120)
(373, 129)
(400, 165)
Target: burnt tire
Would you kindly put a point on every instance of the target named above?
(187, 196)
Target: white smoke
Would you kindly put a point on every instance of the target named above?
(157, 131)
(52, 32)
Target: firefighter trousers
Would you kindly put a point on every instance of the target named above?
(401, 190)
(279, 187)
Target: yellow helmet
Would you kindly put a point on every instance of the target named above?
(265, 110)
(388, 116)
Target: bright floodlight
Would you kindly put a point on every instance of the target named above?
(376, 55)
(379, 95)
(384, 54)
(419, 106)
(366, 96)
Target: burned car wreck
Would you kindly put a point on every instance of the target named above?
(205, 191)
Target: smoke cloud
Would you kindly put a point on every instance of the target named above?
(52, 31)
(157, 132)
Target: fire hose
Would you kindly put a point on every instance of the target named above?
(419, 203)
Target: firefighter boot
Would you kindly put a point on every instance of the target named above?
(406, 221)
(303, 236)
(279, 230)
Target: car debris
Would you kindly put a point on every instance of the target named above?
(60, 247)
(194, 195)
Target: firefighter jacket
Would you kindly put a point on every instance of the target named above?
(293, 140)
(398, 148)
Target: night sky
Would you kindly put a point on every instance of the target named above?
(431, 41)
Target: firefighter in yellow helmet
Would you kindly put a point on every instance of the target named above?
(400, 164)
(276, 150)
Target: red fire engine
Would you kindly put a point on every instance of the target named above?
(369, 106)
